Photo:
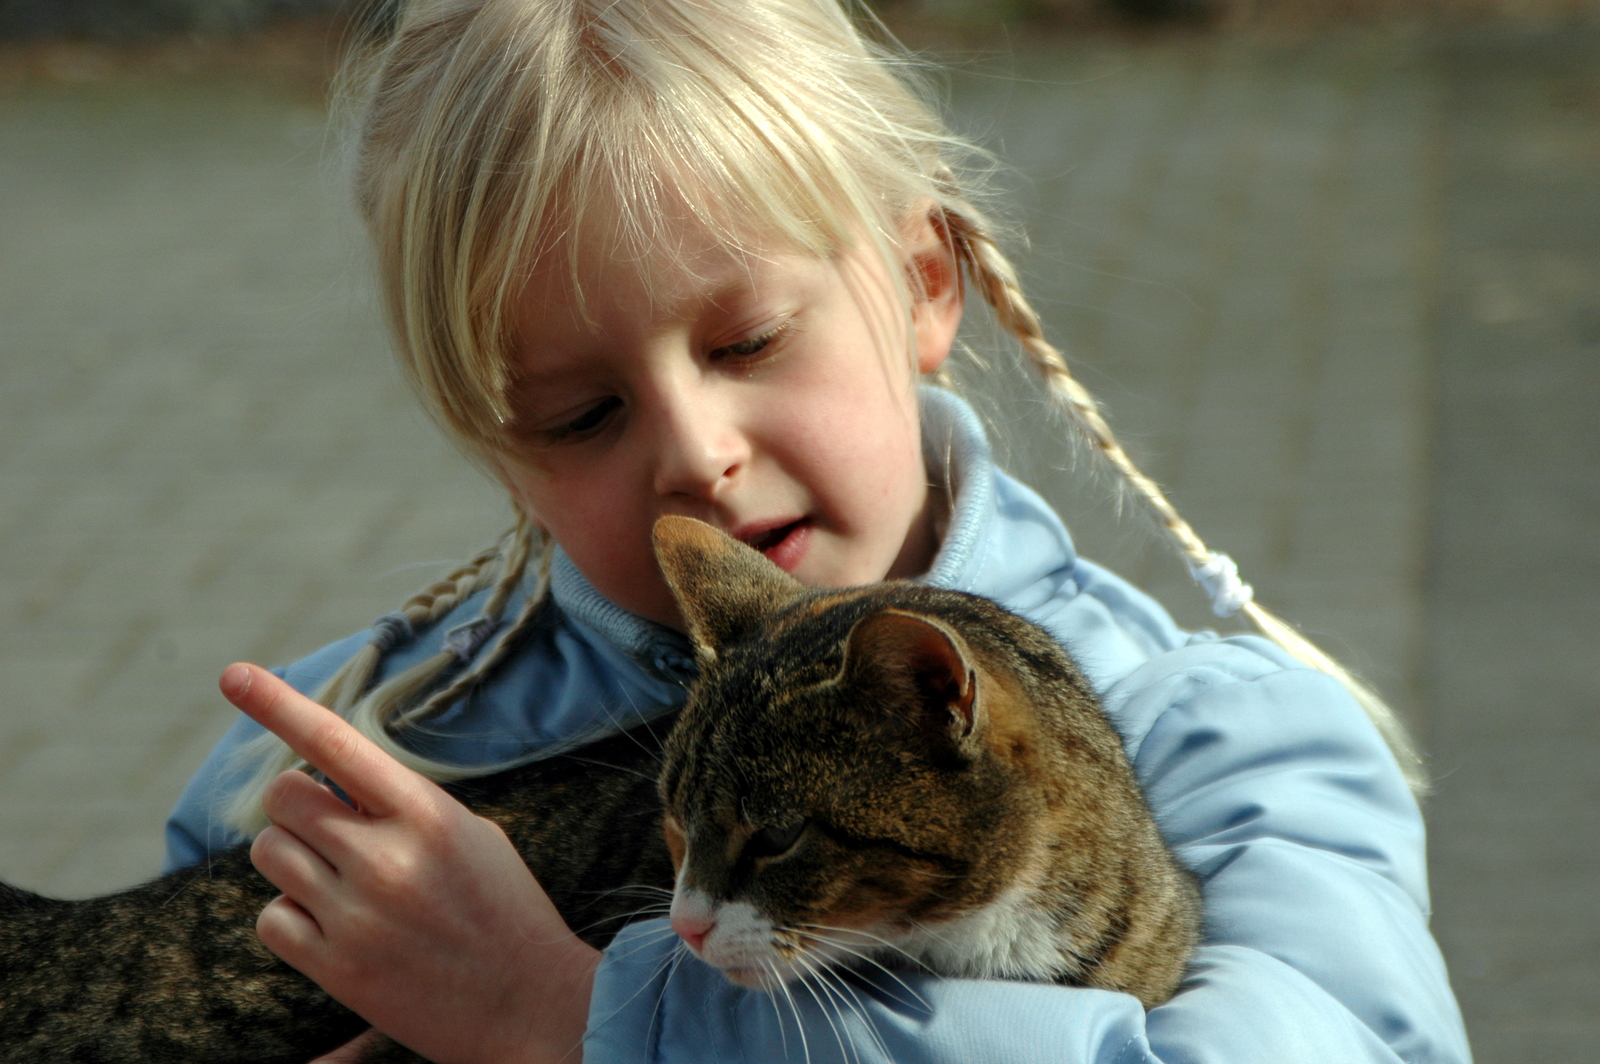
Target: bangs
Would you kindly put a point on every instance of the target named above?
(634, 194)
(770, 124)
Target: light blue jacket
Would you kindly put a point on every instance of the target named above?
(1265, 776)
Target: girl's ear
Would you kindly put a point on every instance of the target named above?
(937, 293)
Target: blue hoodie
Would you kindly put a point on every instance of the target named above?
(1265, 776)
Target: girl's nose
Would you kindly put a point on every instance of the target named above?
(701, 449)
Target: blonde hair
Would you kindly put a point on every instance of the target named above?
(493, 128)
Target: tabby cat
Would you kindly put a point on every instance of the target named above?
(892, 773)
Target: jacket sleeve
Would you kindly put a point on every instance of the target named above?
(1269, 782)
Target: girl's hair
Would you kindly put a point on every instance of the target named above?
(493, 129)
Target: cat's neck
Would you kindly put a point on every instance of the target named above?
(1010, 938)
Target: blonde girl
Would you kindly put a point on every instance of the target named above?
(703, 257)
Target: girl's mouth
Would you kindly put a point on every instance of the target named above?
(784, 545)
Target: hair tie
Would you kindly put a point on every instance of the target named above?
(390, 630)
(465, 640)
(1219, 576)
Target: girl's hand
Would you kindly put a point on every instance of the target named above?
(409, 909)
(353, 1051)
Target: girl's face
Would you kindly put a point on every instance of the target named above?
(770, 395)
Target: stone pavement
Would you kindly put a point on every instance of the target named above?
(204, 453)
(1513, 590)
(1341, 294)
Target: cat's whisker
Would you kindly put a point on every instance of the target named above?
(772, 972)
(622, 918)
(644, 723)
(670, 964)
(647, 941)
(930, 932)
(632, 888)
(794, 1007)
(879, 940)
(835, 983)
(837, 1007)
(186, 885)
(868, 935)
(619, 919)
(625, 770)
(860, 1009)
(816, 979)
(822, 1006)
(824, 979)
(863, 955)
(652, 908)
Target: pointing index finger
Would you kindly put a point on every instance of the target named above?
(372, 779)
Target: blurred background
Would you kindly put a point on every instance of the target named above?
(1332, 265)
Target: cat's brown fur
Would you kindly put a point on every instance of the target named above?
(959, 787)
(966, 803)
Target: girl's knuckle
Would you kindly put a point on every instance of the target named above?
(337, 741)
(276, 796)
(392, 872)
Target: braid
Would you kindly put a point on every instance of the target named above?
(486, 662)
(384, 711)
(422, 609)
(404, 700)
(996, 280)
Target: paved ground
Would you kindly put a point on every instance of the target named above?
(204, 454)
(1513, 591)
(1343, 295)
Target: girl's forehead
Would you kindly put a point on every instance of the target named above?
(675, 259)
(659, 235)
(674, 253)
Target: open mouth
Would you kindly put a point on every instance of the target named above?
(765, 541)
(784, 545)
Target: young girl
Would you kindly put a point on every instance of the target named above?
(696, 257)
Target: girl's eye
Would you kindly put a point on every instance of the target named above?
(591, 419)
(774, 840)
(749, 347)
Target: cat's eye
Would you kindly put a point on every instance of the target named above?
(774, 839)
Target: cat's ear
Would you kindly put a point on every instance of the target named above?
(927, 666)
(723, 587)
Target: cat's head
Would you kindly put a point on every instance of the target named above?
(853, 772)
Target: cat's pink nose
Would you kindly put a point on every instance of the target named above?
(692, 929)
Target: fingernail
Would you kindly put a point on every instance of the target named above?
(235, 682)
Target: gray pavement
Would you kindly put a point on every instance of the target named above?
(1341, 294)
(204, 453)
(1513, 591)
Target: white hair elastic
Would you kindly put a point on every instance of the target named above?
(1219, 575)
